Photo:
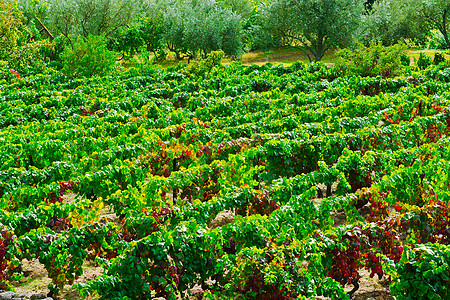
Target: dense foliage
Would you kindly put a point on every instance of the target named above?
(391, 21)
(313, 26)
(202, 27)
(185, 27)
(169, 150)
(425, 21)
(18, 47)
(36, 32)
(89, 56)
(435, 14)
(373, 60)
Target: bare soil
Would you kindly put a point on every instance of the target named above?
(36, 281)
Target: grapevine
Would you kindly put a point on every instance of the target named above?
(255, 182)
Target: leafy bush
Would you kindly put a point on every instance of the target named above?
(30, 56)
(88, 57)
(422, 273)
(203, 66)
(373, 60)
(142, 63)
(160, 55)
(438, 58)
(4, 71)
(126, 40)
(19, 46)
(406, 61)
(11, 24)
(55, 48)
(424, 61)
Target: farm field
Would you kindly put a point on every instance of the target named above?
(247, 182)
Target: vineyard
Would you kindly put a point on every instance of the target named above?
(285, 150)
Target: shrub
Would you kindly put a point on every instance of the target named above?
(203, 66)
(405, 60)
(126, 40)
(55, 48)
(5, 73)
(438, 58)
(20, 47)
(30, 56)
(373, 60)
(142, 63)
(88, 57)
(424, 61)
(160, 55)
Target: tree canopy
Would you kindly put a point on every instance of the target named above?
(192, 28)
(434, 13)
(89, 17)
(201, 27)
(314, 26)
(391, 21)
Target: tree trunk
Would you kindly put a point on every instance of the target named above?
(446, 39)
(319, 55)
(444, 28)
(174, 50)
(177, 54)
(319, 49)
(329, 190)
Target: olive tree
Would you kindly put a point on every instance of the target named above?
(89, 17)
(391, 21)
(194, 27)
(151, 23)
(240, 7)
(433, 13)
(174, 21)
(314, 26)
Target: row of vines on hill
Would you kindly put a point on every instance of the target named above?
(284, 148)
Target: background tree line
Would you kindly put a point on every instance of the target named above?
(58, 29)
